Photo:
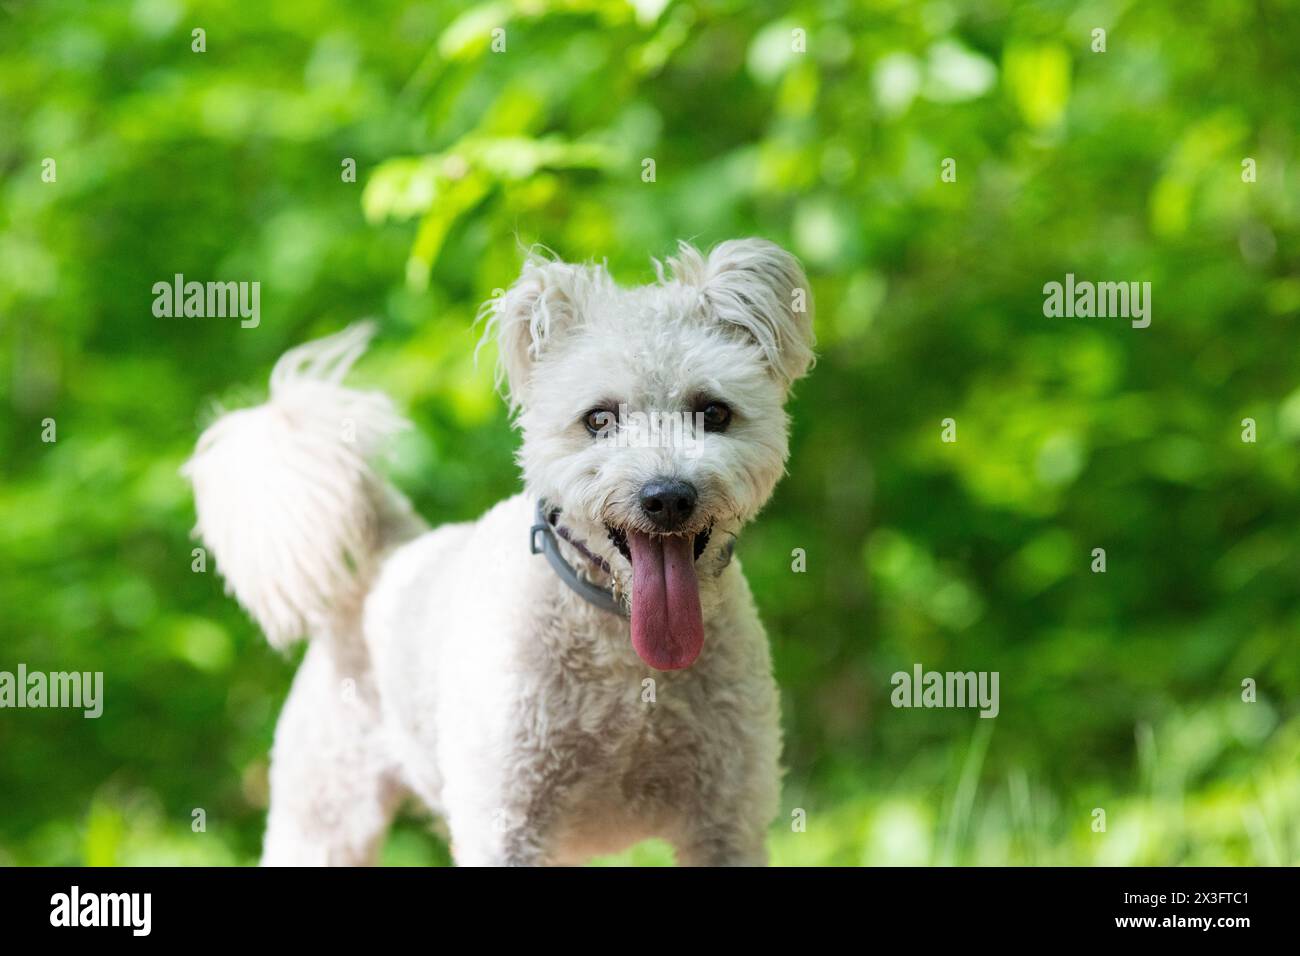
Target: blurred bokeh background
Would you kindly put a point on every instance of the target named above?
(821, 124)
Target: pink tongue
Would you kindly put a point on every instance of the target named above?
(667, 626)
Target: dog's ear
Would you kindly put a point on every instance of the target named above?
(759, 288)
(544, 302)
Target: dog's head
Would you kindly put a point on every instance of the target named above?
(653, 417)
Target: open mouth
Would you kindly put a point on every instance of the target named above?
(667, 623)
(619, 539)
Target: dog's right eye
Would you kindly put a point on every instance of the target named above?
(599, 420)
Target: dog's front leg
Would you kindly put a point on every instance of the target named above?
(505, 813)
(725, 821)
(513, 834)
(721, 843)
(510, 815)
(493, 840)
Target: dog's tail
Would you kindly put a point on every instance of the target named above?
(288, 501)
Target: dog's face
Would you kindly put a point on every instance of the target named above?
(653, 417)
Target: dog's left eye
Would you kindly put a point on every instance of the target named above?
(717, 416)
(599, 420)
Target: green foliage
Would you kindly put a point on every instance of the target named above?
(1120, 690)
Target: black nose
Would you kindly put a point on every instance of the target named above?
(668, 502)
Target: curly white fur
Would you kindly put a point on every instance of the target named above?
(286, 496)
(454, 664)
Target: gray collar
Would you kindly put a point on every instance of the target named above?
(543, 539)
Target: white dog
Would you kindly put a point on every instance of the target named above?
(582, 667)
